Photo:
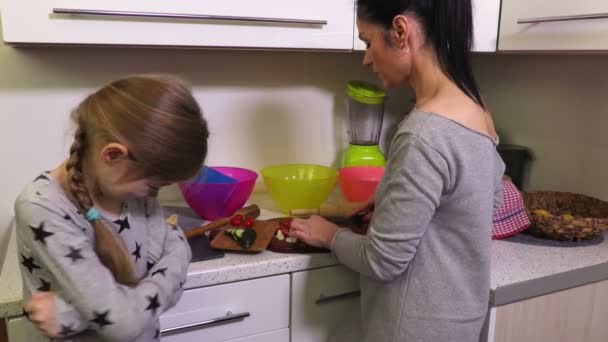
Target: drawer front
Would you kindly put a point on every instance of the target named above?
(324, 303)
(485, 24)
(314, 24)
(19, 329)
(230, 311)
(273, 336)
(558, 25)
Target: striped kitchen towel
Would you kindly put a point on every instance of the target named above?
(511, 218)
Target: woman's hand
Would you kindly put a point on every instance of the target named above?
(41, 311)
(315, 231)
(365, 211)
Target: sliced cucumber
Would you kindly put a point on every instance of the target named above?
(248, 238)
(239, 233)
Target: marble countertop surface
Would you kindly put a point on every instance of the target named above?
(519, 271)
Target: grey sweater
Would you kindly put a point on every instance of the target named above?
(425, 262)
(56, 251)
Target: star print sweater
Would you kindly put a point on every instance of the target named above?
(56, 247)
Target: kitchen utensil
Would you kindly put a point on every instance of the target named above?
(358, 183)
(211, 175)
(365, 108)
(517, 161)
(340, 209)
(215, 200)
(564, 215)
(248, 211)
(511, 217)
(265, 230)
(186, 219)
(299, 185)
(529, 239)
(282, 246)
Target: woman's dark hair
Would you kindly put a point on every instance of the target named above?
(448, 25)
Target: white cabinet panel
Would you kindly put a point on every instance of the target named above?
(274, 336)
(558, 25)
(16, 329)
(230, 311)
(188, 23)
(325, 303)
(485, 23)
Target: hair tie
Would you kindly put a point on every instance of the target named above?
(93, 214)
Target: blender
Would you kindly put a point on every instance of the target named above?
(365, 108)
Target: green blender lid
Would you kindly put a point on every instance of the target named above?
(365, 92)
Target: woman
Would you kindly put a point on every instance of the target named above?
(425, 261)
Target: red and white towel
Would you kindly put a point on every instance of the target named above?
(511, 218)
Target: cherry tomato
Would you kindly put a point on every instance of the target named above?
(249, 222)
(236, 220)
(286, 223)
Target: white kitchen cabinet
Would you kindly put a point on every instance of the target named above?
(485, 23)
(577, 314)
(273, 336)
(267, 24)
(230, 311)
(325, 303)
(558, 25)
(16, 329)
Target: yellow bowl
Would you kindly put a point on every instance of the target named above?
(299, 186)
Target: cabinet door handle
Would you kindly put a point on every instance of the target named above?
(187, 16)
(224, 319)
(563, 18)
(327, 299)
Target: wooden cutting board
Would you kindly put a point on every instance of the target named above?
(265, 231)
(282, 246)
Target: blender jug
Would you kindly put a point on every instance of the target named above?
(365, 108)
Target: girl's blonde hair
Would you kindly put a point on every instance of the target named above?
(159, 121)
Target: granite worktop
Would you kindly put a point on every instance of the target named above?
(519, 271)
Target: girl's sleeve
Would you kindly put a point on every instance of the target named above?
(56, 246)
(170, 271)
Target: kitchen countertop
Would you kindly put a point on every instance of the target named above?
(518, 271)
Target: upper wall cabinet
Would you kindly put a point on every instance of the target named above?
(265, 24)
(557, 25)
(485, 22)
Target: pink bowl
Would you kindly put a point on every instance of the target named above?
(358, 183)
(216, 200)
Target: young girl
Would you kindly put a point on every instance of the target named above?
(98, 260)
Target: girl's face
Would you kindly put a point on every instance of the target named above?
(118, 175)
(388, 57)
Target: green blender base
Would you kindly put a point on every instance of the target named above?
(363, 155)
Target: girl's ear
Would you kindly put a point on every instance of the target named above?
(114, 152)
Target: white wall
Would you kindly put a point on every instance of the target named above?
(275, 107)
(558, 106)
(263, 108)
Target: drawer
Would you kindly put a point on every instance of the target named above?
(230, 311)
(323, 301)
(313, 24)
(558, 25)
(273, 336)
